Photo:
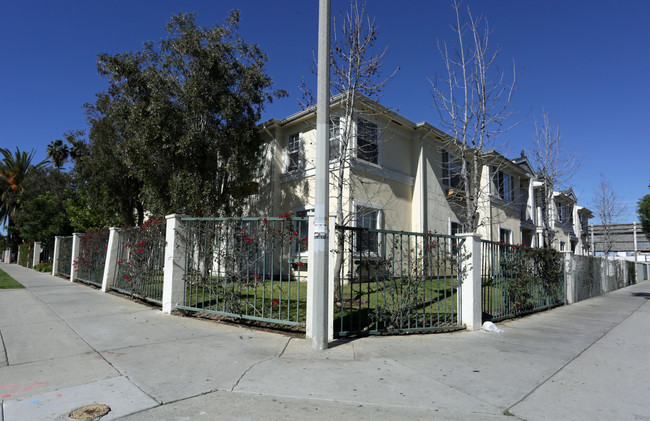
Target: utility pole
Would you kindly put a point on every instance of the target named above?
(321, 208)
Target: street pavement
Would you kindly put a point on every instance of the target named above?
(67, 345)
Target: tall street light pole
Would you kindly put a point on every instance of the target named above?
(321, 208)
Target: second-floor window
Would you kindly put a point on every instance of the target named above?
(295, 159)
(451, 171)
(504, 185)
(562, 212)
(367, 141)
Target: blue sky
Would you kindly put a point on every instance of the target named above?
(585, 62)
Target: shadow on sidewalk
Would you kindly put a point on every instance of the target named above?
(645, 295)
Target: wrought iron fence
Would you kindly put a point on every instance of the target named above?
(30, 256)
(246, 268)
(141, 261)
(47, 251)
(92, 257)
(517, 280)
(395, 281)
(65, 256)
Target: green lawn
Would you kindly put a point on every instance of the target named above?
(431, 303)
(7, 282)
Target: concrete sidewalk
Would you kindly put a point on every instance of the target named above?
(68, 345)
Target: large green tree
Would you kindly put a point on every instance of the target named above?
(14, 168)
(42, 214)
(182, 116)
(643, 210)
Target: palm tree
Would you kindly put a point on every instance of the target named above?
(13, 170)
(58, 152)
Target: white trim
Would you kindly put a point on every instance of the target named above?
(511, 235)
(380, 221)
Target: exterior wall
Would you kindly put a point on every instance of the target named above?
(406, 183)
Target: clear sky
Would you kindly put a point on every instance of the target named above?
(585, 62)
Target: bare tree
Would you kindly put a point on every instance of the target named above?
(609, 210)
(356, 73)
(555, 167)
(473, 100)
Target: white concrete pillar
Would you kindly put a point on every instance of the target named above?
(174, 270)
(55, 257)
(569, 278)
(110, 266)
(7, 255)
(76, 246)
(469, 297)
(310, 276)
(37, 253)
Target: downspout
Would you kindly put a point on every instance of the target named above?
(490, 202)
(424, 220)
(272, 175)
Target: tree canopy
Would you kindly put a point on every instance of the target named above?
(643, 210)
(178, 120)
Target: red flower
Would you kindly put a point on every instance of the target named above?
(274, 303)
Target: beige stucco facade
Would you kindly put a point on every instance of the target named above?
(405, 184)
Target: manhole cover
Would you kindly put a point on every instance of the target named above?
(89, 412)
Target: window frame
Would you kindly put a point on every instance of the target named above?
(452, 170)
(365, 126)
(504, 185)
(296, 139)
(378, 224)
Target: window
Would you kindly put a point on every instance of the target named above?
(451, 171)
(505, 235)
(367, 141)
(295, 160)
(455, 228)
(504, 185)
(562, 211)
(562, 246)
(335, 138)
(368, 218)
(300, 245)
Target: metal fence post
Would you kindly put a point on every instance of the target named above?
(569, 278)
(37, 253)
(110, 266)
(55, 257)
(174, 270)
(470, 306)
(76, 246)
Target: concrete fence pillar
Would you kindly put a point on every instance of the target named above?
(174, 270)
(569, 278)
(313, 318)
(110, 266)
(76, 246)
(55, 256)
(7, 255)
(469, 298)
(37, 254)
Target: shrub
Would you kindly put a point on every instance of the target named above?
(44, 267)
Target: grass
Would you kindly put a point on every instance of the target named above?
(7, 282)
(284, 301)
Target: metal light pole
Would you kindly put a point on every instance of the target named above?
(321, 208)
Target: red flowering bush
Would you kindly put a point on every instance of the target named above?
(92, 256)
(142, 257)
